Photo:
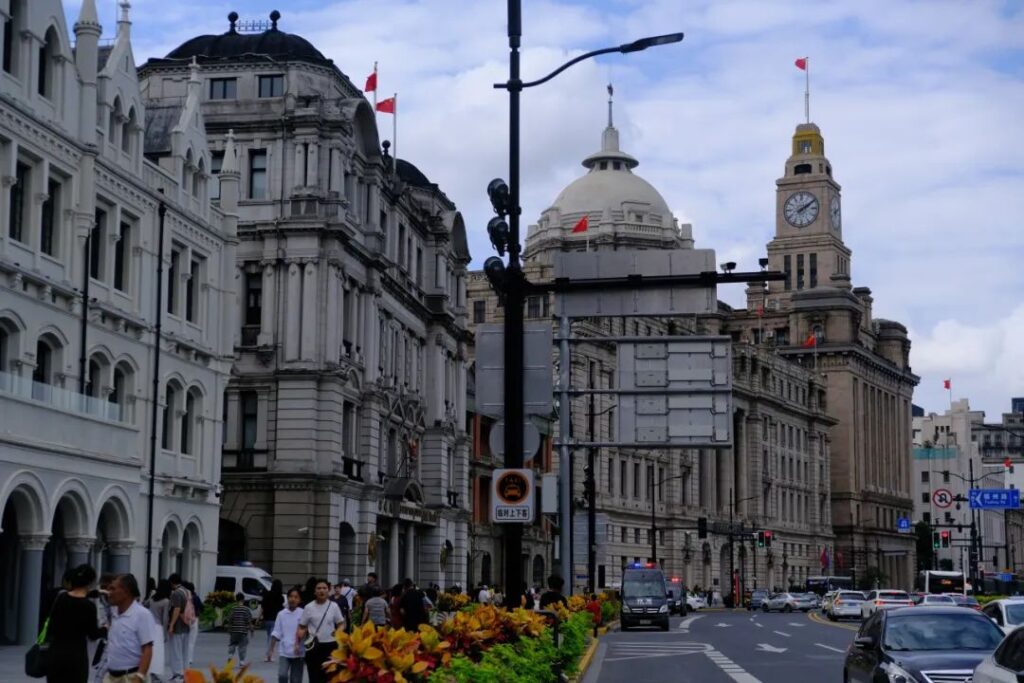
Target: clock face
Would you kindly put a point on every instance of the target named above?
(834, 213)
(801, 209)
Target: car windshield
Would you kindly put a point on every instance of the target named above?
(939, 600)
(941, 632)
(851, 597)
(641, 588)
(1015, 613)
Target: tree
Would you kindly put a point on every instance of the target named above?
(873, 578)
(925, 550)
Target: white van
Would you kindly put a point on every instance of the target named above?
(243, 578)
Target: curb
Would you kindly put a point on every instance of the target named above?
(585, 660)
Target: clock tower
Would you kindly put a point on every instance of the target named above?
(808, 244)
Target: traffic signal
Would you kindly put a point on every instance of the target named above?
(945, 539)
(702, 527)
(760, 539)
(767, 539)
(936, 544)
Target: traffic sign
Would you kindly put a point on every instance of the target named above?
(982, 499)
(903, 525)
(512, 496)
(1005, 577)
(942, 498)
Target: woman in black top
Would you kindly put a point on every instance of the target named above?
(272, 603)
(72, 620)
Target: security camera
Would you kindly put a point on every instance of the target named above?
(217, 490)
(303, 530)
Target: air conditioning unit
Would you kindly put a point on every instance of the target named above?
(770, 334)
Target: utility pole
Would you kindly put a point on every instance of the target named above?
(732, 563)
(591, 488)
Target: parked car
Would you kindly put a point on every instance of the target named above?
(920, 645)
(695, 602)
(965, 601)
(845, 605)
(815, 600)
(884, 599)
(243, 578)
(1006, 664)
(787, 602)
(1008, 613)
(757, 598)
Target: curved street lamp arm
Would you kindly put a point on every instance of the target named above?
(571, 62)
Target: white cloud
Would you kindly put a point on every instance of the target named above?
(919, 102)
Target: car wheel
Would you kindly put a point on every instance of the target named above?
(831, 617)
(764, 607)
(664, 627)
(787, 608)
(689, 609)
(623, 627)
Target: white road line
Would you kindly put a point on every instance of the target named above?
(834, 649)
(758, 625)
(730, 668)
(793, 623)
(782, 634)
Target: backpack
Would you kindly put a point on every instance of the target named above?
(188, 614)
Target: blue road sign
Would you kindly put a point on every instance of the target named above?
(903, 524)
(1005, 577)
(994, 498)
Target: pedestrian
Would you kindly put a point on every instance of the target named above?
(553, 595)
(316, 631)
(193, 629)
(309, 592)
(178, 625)
(338, 599)
(289, 651)
(395, 604)
(365, 590)
(271, 604)
(72, 620)
(527, 601)
(348, 592)
(594, 607)
(239, 629)
(103, 617)
(376, 609)
(159, 604)
(130, 638)
(413, 607)
(483, 596)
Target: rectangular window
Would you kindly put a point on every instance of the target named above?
(253, 299)
(813, 269)
(533, 307)
(216, 162)
(96, 238)
(661, 488)
(650, 481)
(121, 251)
(272, 86)
(610, 481)
(622, 478)
(401, 245)
(925, 497)
(9, 45)
(223, 88)
(787, 267)
(250, 418)
(51, 212)
(419, 266)
(924, 477)
(17, 207)
(926, 517)
(636, 480)
(172, 281)
(44, 69)
(258, 174)
(799, 271)
(192, 290)
(636, 536)
(480, 310)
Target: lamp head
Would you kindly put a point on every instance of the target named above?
(763, 262)
(497, 191)
(652, 41)
(494, 270)
(497, 230)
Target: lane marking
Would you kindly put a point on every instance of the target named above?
(781, 633)
(793, 623)
(825, 622)
(730, 668)
(765, 647)
(834, 649)
(685, 624)
(759, 625)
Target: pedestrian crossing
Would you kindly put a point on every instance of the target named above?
(731, 668)
(618, 652)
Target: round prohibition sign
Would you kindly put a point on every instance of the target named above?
(512, 488)
(942, 498)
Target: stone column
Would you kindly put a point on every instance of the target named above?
(79, 550)
(268, 314)
(410, 551)
(393, 553)
(120, 557)
(31, 572)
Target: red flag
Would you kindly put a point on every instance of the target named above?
(1007, 463)
(371, 82)
(581, 226)
(760, 310)
(387, 106)
(810, 342)
(947, 384)
(801, 63)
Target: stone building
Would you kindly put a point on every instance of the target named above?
(776, 477)
(345, 448)
(815, 317)
(83, 208)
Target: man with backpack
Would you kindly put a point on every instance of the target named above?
(183, 614)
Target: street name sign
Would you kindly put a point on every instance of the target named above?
(982, 499)
(512, 496)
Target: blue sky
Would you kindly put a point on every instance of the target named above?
(920, 104)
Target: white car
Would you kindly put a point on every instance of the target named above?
(933, 600)
(1006, 664)
(1007, 613)
(884, 599)
(695, 602)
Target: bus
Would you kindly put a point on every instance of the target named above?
(930, 581)
(827, 584)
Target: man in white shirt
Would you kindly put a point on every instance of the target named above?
(130, 638)
(290, 653)
(349, 593)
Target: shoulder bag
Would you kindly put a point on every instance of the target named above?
(37, 659)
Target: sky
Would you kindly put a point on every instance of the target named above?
(920, 103)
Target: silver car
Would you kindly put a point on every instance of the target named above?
(845, 605)
(787, 602)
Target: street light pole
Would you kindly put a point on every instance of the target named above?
(654, 524)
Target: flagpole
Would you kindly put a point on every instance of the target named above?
(394, 131)
(807, 89)
(375, 81)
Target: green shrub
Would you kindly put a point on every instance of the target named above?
(985, 599)
(609, 611)
(574, 639)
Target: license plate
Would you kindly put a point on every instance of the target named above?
(645, 622)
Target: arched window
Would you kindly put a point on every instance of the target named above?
(12, 36)
(47, 364)
(197, 178)
(172, 397)
(190, 423)
(95, 378)
(186, 171)
(48, 65)
(113, 123)
(128, 132)
(8, 348)
(123, 386)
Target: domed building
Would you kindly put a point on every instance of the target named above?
(344, 448)
(618, 209)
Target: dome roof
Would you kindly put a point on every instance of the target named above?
(271, 43)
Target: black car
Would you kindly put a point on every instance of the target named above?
(920, 645)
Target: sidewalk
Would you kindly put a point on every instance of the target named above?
(211, 648)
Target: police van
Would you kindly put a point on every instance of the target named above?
(645, 597)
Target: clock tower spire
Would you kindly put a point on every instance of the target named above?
(808, 244)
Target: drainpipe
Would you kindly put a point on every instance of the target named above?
(85, 314)
(162, 212)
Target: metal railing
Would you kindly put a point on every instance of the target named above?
(62, 399)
